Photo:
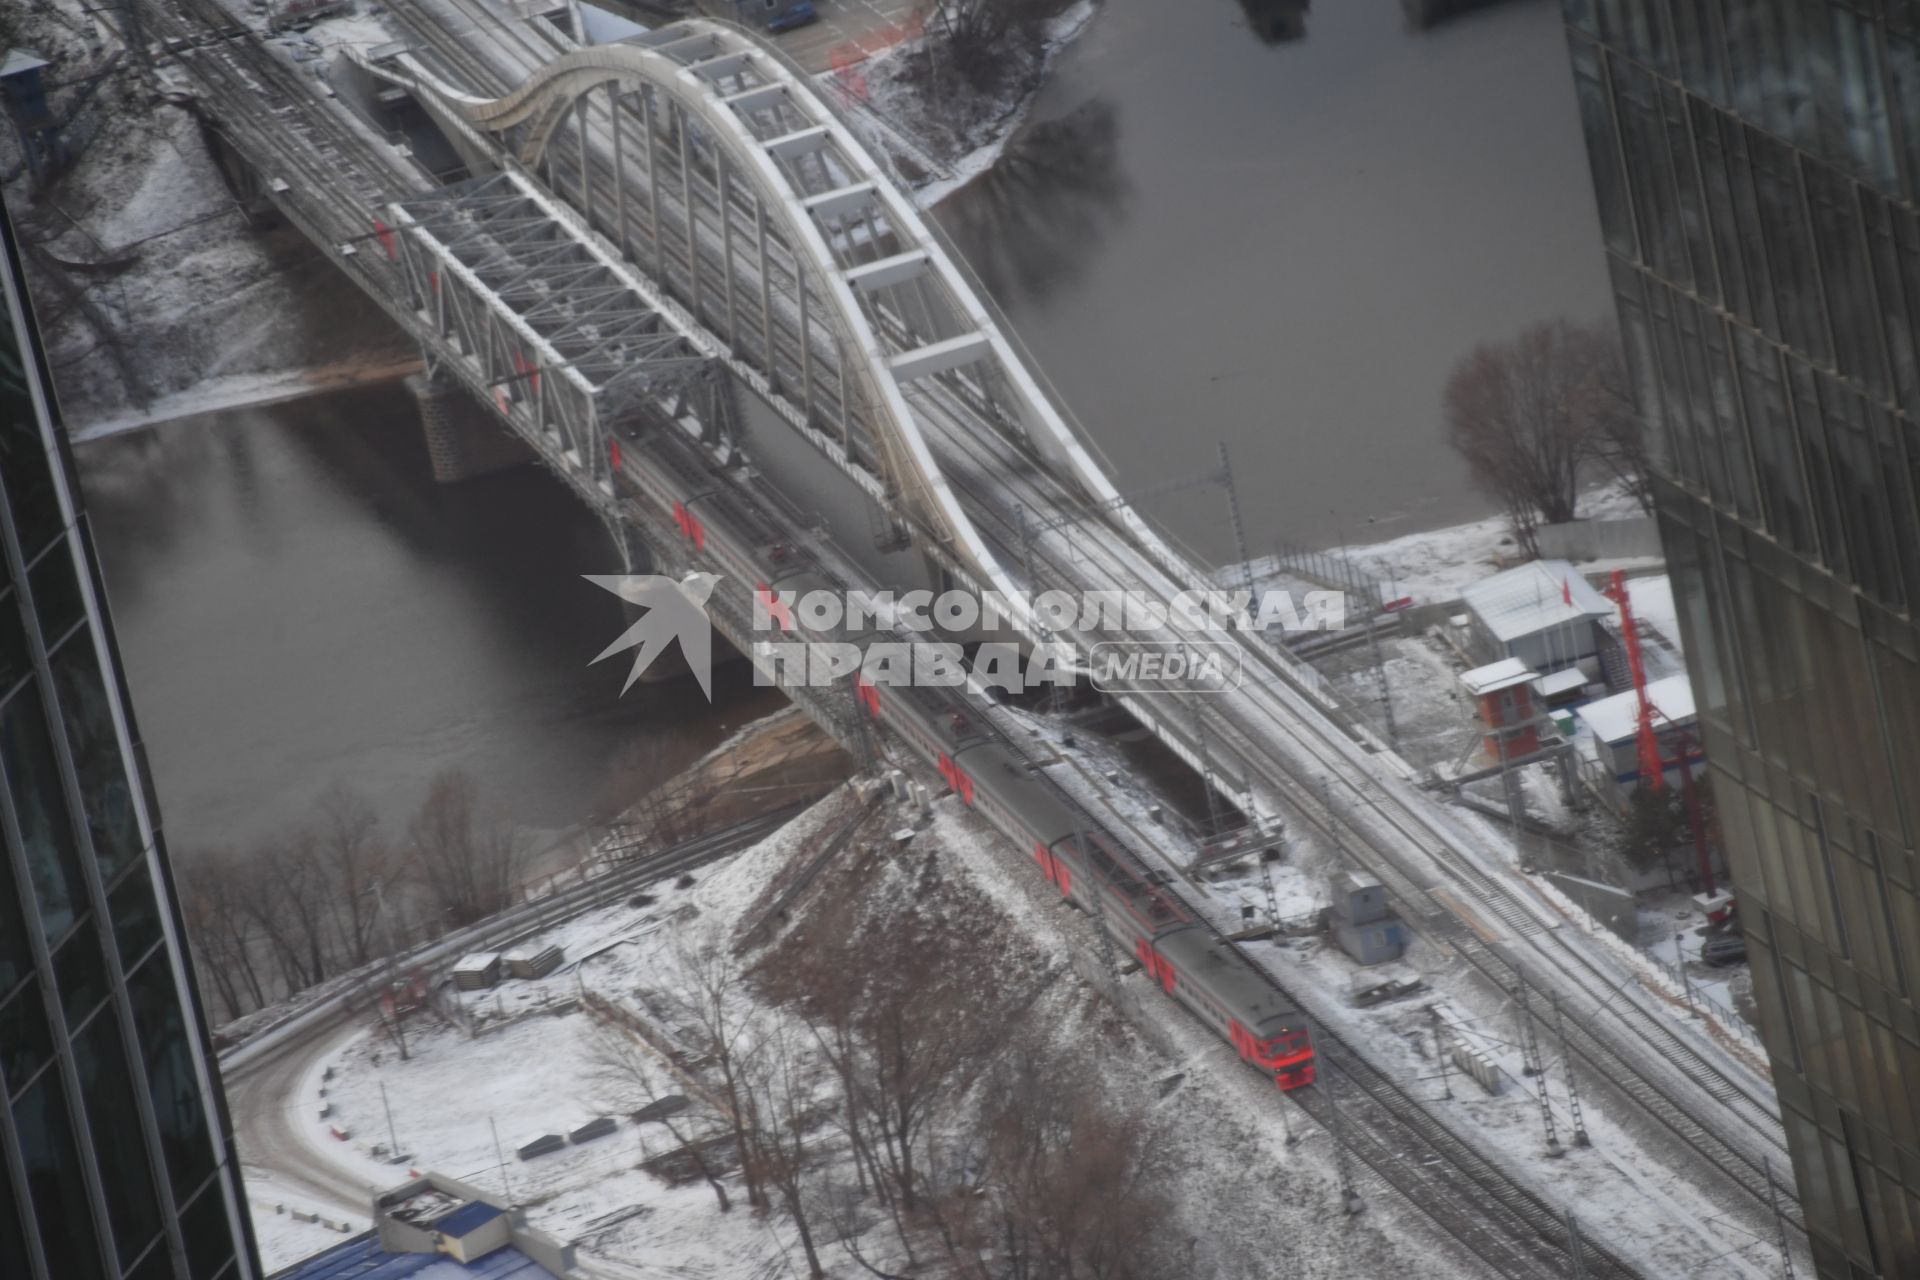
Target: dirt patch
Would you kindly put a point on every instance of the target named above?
(772, 764)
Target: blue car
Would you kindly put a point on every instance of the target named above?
(784, 15)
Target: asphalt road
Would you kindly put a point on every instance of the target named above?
(260, 1098)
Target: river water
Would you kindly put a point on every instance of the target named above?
(297, 602)
(1205, 237)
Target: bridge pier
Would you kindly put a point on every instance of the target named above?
(463, 440)
(242, 179)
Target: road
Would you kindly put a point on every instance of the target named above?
(263, 1092)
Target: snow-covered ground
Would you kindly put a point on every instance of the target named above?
(289, 1226)
(1435, 565)
(196, 309)
(1243, 1193)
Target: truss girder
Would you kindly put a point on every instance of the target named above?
(554, 330)
(745, 198)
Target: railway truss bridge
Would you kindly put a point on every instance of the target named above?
(639, 230)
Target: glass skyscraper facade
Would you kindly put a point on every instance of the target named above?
(115, 1156)
(1757, 169)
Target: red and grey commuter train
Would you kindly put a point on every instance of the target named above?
(1182, 953)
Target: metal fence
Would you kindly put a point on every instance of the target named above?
(1706, 1003)
(1336, 572)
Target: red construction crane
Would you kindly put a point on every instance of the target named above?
(1651, 766)
(1653, 769)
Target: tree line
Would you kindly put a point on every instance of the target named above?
(334, 893)
(1538, 417)
(884, 1083)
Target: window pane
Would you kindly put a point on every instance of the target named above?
(1899, 684)
(60, 1206)
(25, 1041)
(136, 916)
(1609, 188)
(56, 594)
(13, 1239)
(170, 1077)
(16, 956)
(16, 663)
(155, 1266)
(209, 1234)
(81, 973)
(115, 1122)
(23, 454)
(34, 782)
(88, 719)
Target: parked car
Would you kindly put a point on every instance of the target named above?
(1726, 949)
(784, 15)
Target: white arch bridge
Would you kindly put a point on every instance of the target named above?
(702, 202)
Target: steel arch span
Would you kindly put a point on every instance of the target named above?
(722, 174)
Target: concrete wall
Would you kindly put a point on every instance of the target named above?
(1600, 539)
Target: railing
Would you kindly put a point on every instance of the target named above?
(1336, 572)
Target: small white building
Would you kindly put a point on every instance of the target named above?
(477, 972)
(1608, 739)
(1544, 613)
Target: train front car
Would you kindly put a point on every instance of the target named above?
(1214, 979)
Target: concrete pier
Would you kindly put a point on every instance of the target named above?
(463, 440)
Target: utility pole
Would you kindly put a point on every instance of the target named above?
(1239, 527)
(1580, 1138)
(1333, 823)
(1206, 767)
(1779, 1222)
(393, 955)
(1266, 885)
(1349, 1194)
(500, 1157)
(1574, 1252)
(1440, 1052)
(1386, 690)
(1530, 1055)
(393, 1139)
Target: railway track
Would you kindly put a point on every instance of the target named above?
(1657, 1088)
(495, 76)
(315, 146)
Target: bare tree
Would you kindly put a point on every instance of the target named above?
(706, 978)
(353, 860)
(1621, 441)
(1531, 415)
(781, 1097)
(274, 885)
(983, 38)
(628, 1071)
(220, 929)
(470, 860)
(1066, 1181)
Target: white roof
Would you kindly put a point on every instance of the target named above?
(1659, 620)
(478, 960)
(1559, 681)
(1496, 675)
(1617, 719)
(17, 61)
(1534, 597)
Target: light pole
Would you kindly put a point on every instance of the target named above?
(393, 955)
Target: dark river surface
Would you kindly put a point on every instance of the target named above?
(1206, 237)
(1203, 237)
(298, 602)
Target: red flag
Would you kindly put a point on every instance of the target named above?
(1566, 590)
